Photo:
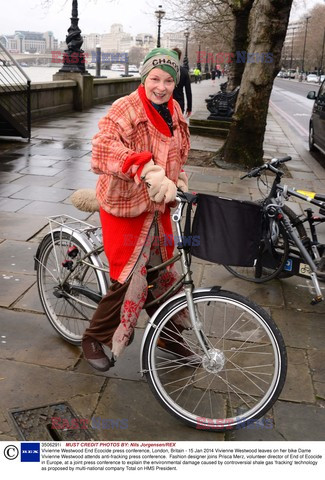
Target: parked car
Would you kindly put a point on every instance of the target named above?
(312, 77)
(317, 120)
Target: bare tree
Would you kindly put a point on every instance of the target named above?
(240, 38)
(315, 38)
(268, 24)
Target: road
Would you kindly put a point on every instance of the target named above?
(289, 99)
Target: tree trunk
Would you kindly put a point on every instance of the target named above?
(268, 25)
(240, 11)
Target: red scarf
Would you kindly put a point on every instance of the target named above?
(155, 118)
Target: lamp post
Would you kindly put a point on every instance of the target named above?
(74, 57)
(160, 13)
(98, 59)
(303, 55)
(206, 66)
(321, 62)
(211, 64)
(198, 63)
(185, 61)
(291, 57)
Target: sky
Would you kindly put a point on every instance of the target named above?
(95, 16)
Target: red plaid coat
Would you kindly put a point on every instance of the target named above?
(126, 130)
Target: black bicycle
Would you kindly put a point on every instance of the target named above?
(285, 248)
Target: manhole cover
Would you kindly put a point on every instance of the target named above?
(51, 422)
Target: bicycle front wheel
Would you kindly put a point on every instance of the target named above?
(69, 305)
(240, 379)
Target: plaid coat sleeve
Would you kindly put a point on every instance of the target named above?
(110, 146)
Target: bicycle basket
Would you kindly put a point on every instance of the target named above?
(226, 231)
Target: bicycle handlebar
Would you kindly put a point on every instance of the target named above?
(272, 165)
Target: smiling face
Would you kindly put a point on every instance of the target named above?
(159, 86)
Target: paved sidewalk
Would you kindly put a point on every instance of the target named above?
(38, 368)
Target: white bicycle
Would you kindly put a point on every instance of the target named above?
(240, 363)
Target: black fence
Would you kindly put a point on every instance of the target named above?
(15, 107)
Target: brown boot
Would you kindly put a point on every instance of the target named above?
(95, 355)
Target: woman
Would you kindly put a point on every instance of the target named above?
(139, 152)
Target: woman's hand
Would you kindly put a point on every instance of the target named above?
(167, 192)
(160, 188)
(182, 182)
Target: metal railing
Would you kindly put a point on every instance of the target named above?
(15, 97)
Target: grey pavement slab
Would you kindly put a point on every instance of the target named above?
(70, 166)
(264, 430)
(267, 294)
(6, 177)
(43, 193)
(299, 293)
(146, 418)
(6, 190)
(299, 421)
(317, 364)
(39, 170)
(74, 182)
(17, 257)
(29, 301)
(27, 385)
(13, 286)
(51, 208)
(301, 329)
(48, 350)
(12, 205)
(45, 181)
(298, 386)
(20, 226)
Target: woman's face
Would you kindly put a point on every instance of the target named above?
(159, 86)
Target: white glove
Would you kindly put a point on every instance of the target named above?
(152, 175)
(159, 186)
(167, 192)
(182, 182)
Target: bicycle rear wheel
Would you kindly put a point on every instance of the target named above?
(244, 375)
(68, 305)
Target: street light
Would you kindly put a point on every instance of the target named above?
(321, 62)
(98, 59)
(303, 55)
(185, 61)
(160, 13)
(293, 34)
(206, 66)
(198, 63)
(74, 57)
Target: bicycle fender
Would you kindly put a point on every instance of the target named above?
(87, 246)
(151, 324)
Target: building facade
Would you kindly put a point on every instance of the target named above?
(32, 42)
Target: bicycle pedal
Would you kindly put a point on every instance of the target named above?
(316, 300)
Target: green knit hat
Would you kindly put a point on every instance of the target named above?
(166, 60)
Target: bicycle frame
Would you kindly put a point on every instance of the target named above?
(87, 235)
(279, 194)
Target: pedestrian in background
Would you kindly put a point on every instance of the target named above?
(197, 75)
(184, 82)
(213, 75)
